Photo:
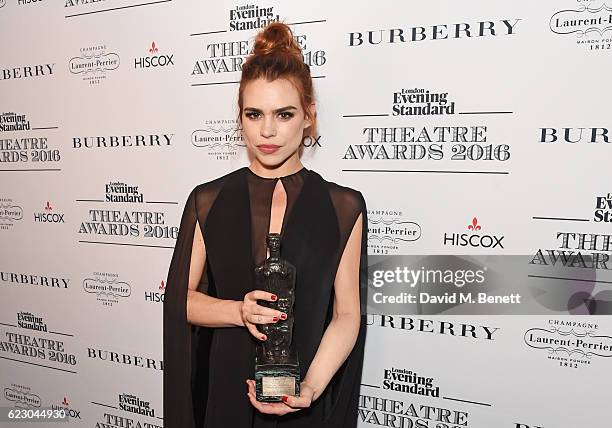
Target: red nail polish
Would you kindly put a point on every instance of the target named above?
(285, 398)
(283, 316)
(262, 337)
(273, 297)
(275, 319)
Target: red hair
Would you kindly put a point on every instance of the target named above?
(276, 55)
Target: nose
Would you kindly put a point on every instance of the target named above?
(268, 127)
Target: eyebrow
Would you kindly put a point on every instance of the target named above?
(278, 110)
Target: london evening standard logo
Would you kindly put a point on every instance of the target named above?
(94, 64)
(118, 191)
(26, 342)
(225, 56)
(475, 238)
(389, 232)
(570, 344)
(134, 404)
(220, 138)
(132, 222)
(107, 287)
(427, 142)
(30, 321)
(10, 213)
(591, 24)
(409, 382)
(422, 102)
(251, 16)
(155, 59)
(603, 209)
(24, 149)
(11, 121)
(22, 396)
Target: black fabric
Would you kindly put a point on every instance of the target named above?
(205, 368)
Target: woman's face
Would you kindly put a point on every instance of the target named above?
(273, 120)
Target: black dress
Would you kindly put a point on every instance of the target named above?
(205, 368)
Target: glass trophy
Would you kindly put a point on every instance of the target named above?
(277, 370)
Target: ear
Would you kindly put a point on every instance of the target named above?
(311, 113)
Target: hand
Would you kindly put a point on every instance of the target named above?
(252, 313)
(291, 404)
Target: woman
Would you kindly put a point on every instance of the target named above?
(210, 308)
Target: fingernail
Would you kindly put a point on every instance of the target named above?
(285, 398)
(283, 316)
(262, 337)
(275, 319)
(273, 297)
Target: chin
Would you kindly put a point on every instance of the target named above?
(271, 161)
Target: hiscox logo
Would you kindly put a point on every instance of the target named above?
(94, 63)
(155, 59)
(156, 296)
(48, 215)
(462, 30)
(26, 2)
(591, 24)
(65, 406)
(474, 239)
(107, 288)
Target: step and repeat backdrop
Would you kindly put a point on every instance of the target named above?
(473, 128)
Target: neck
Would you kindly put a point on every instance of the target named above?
(289, 166)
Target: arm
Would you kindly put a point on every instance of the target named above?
(203, 309)
(341, 333)
(209, 311)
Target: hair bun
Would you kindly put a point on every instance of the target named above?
(276, 38)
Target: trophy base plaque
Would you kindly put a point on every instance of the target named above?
(272, 381)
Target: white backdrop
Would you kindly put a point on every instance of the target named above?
(113, 110)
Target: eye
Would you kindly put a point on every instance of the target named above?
(286, 115)
(252, 115)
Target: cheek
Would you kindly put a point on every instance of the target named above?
(293, 129)
(249, 130)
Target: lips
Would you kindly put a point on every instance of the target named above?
(268, 148)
